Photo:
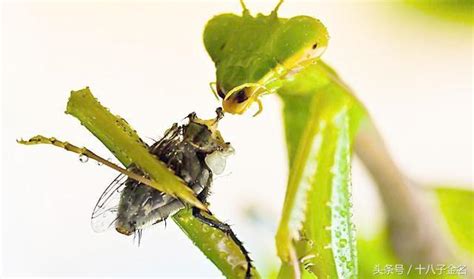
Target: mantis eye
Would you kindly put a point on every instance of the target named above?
(240, 96)
(220, 92)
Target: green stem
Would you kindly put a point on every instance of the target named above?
(416, 237)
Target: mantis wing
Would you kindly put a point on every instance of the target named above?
(316, 230)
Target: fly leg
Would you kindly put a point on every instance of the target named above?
(225, 228)
(89, 154)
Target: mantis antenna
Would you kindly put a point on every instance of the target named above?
(277, 6)
(244, 7)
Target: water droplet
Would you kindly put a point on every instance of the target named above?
(342, 242)
(83, 158)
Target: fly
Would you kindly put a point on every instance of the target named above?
(195, 152)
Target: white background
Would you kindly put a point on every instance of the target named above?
(146, 61)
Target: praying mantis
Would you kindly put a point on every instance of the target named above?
(324, 122)
(256, 56)
(260, 55)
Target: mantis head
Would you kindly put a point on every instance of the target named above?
(253, 55)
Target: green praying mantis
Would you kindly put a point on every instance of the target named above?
(256, 56)
(324, 123)
(265, 54)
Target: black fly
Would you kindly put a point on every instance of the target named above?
(195, 152)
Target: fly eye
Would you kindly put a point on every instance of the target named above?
(240, 96)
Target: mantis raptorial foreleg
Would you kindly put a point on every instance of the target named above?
(318, 192)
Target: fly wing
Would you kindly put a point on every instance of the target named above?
(106, 208)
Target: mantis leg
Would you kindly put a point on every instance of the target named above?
(320, 121)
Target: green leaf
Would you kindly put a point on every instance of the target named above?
(453, 10)
(378, 260)
(457, 206)
(375, 253)
(125, 144)
(321, 118)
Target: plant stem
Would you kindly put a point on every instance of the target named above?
(415, 235)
